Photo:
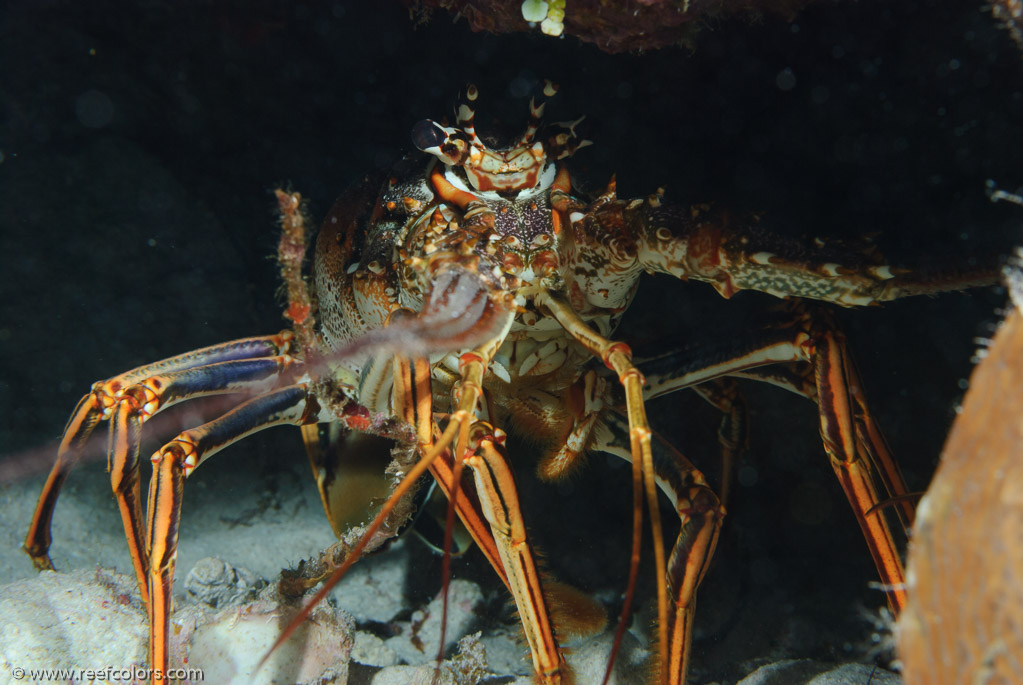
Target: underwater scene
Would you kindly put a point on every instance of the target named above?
(594, 267)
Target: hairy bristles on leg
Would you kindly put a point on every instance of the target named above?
(291, 252)
(574, 613)
(585, 403)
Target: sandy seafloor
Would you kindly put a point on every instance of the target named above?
(139, 144)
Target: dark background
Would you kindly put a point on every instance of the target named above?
(141, 142)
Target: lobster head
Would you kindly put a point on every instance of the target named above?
(523, 165)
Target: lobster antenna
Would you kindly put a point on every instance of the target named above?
(465, 114)
(550, 89)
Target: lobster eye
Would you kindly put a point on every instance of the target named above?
(426, 134)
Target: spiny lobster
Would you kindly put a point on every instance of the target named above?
(477, 291)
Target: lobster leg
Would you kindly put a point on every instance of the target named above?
(413, 400)
(434, 457)
(416, 404)
(586, 400)
(83, 421)
(174, 462)
(699, 510)
(499, 503)
(799, 378)
(148, 397)
(700, 514)
(874, 445)
(103, 402)
(493, 516)
(851, 439)
(495, 487)
(856, 475)
(617, 357)
(503, 540)
(471, 514)
(723, 394)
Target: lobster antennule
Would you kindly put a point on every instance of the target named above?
(452, 145)
(550, 89)
(465, 113)
(563, 140)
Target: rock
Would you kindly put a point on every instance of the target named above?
(370, 650)
(96, 620)
(373, 590)
(808, 672)
(419, 639)
(507, 653)
(467, 667)
(414, 675)
(217, 583)
(227, 645)
(588, 657)
(86, 619)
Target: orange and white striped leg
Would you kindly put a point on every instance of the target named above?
(810, 358)
(434, 457)
(617, 357)
(174, 462)
(857, 476)
(416, 405)
(700, 513)
(733, 432)
(495, 487)
(128, 400)
(799, 378)
(498, 501)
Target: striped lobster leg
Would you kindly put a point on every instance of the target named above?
(128, 400)
(810, 358)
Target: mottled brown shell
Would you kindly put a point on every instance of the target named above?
(344, 241)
